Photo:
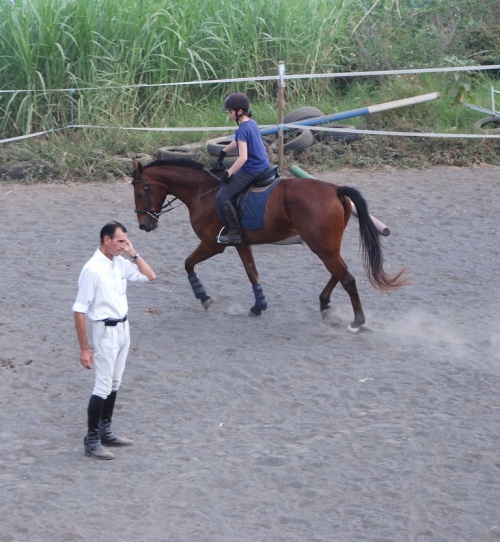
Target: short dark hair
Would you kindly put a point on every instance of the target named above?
(110, 228)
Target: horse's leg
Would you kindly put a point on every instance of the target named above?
(337, 267)
(350, 287)
(321, 222)
(339, 273)
(324, 298)
(246, 255)
(203, 252)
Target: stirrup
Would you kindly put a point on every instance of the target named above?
(232, 238)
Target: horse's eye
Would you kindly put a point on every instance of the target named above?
(138, 188)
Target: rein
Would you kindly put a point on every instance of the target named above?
(167, 206)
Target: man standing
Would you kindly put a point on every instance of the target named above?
(102, 297)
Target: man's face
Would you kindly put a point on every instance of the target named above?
(114, 247)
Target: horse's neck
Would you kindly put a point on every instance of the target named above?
(188, 185)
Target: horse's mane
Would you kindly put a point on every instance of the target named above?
(180, 162)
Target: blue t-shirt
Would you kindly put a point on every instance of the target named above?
(257, 160)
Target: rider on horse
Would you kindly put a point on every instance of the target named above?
(251, 163)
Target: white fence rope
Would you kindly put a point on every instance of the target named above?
(385, 133)
(268, 78)
(278, 77)
(297, 126)
(231, 129)
(36, 134)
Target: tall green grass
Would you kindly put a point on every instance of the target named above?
(63, 44)
(117, 53)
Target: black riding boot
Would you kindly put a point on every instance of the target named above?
(107, 436)
(233, 236)
(92, 442)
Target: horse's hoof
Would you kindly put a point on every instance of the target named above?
(254, 312)
(353, 329)
(325, 313)
(207, 302)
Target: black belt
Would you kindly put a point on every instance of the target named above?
(113, 321)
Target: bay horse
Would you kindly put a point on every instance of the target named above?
(316, 210)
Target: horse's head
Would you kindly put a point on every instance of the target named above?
(149, 198)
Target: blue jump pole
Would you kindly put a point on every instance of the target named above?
(357, 112)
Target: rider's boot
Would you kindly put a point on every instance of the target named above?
(234, 235)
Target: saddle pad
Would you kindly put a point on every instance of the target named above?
(251, 205)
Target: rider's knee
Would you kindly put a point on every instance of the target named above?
(221, 198)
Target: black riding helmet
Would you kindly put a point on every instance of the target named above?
(236, 101)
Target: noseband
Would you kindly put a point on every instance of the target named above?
(150, 211)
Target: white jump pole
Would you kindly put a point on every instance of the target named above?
(381, 227)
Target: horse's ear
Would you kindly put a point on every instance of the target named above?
(137, 166)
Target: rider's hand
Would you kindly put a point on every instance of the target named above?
(220, 160)
(225, 177)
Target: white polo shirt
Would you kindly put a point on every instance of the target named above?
(102, 286)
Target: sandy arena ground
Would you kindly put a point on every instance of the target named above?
(283, 428)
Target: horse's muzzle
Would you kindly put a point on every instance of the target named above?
(150, 226)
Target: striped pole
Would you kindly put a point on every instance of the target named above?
(358, 112)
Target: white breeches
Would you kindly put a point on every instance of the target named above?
(111, 346)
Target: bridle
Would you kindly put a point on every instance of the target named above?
(150, 196)
(167, 206)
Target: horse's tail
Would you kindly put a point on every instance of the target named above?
(371, 246)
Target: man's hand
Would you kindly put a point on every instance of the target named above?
(129, 249)
(87, 358)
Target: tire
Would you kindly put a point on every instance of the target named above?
(337, 136)
(299, 140)
(481, 126)
(171, 153)
(303, 113)
(296, 141)
(303, 140)
(214, 146)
